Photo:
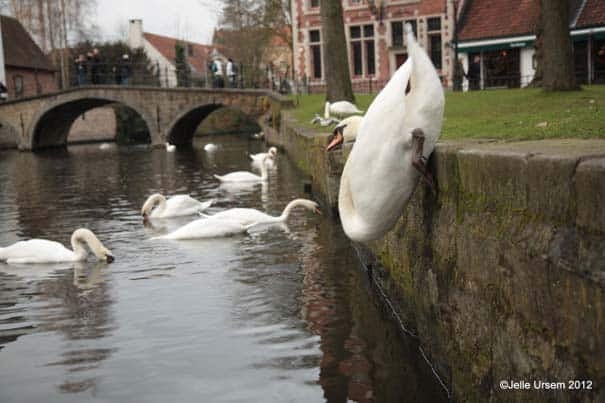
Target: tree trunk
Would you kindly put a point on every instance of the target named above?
(336, 61)
(556, 64)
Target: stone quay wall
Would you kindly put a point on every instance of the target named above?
(501, 274)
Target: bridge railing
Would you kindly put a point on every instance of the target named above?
(154, 75)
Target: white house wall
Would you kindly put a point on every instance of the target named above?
(167, 69)
(527, 65)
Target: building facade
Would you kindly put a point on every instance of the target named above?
(161, 50)
(27, 71)
(500, 35)
(374, 39)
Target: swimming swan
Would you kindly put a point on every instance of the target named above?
(156, 206)
(345, 132)
(207, 228)
(245, 176)
(394, 140)
(247, 216)
(259, 157)
(340, 108)
(44, 251)
(210, 147)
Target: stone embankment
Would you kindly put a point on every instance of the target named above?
(501, 275)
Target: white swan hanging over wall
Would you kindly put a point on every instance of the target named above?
(394, 140)
(45, 251)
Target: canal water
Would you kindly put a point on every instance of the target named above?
(280, 315)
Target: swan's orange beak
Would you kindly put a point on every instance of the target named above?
(338, 139)
(317, 211)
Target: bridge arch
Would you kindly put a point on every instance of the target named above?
(9, 135)
(50, 126)
(182, 129)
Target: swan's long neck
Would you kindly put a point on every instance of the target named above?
(154, 199)
(295, 203)
(264, 173)
(83, 236)
(327, 111)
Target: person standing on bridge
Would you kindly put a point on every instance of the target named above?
(217, 69)
(95, 66)
(81, 70)
(125, 70)
(231, 73)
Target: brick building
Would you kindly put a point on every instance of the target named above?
(26, 70)
(374, 39)
(501, 34)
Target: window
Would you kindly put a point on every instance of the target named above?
(397, 31)
(314, 3)
(434, 39)
(434, 24)
(362, 50)
(18, 82)
(190, 49)
(315, 48)
(435, 44)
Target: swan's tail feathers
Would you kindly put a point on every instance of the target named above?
(220, 178)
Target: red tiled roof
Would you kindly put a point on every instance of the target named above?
(19, 48)
(592, 14)
(166, 46)
(492, 19)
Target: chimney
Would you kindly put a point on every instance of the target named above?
(135, 34)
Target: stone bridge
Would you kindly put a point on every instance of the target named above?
(171, 114)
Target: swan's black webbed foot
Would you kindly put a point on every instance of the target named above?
(419, 161)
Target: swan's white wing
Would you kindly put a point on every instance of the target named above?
(244, 216)
(239, 176)
(36, 251)
(207, 228)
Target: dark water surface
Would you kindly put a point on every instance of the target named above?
(280, 315)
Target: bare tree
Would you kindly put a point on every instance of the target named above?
(338, 79)
(555, 69)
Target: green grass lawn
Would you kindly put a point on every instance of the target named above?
(504, 114)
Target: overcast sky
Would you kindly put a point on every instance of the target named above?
(183, 19)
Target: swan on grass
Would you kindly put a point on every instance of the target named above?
(394, 140)
(340, 108)
(323, 122)
(245, 176)
(207, 228)
(170, 147)
(248, 216)
(157, 206)
(45, 251)
(345, 132)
